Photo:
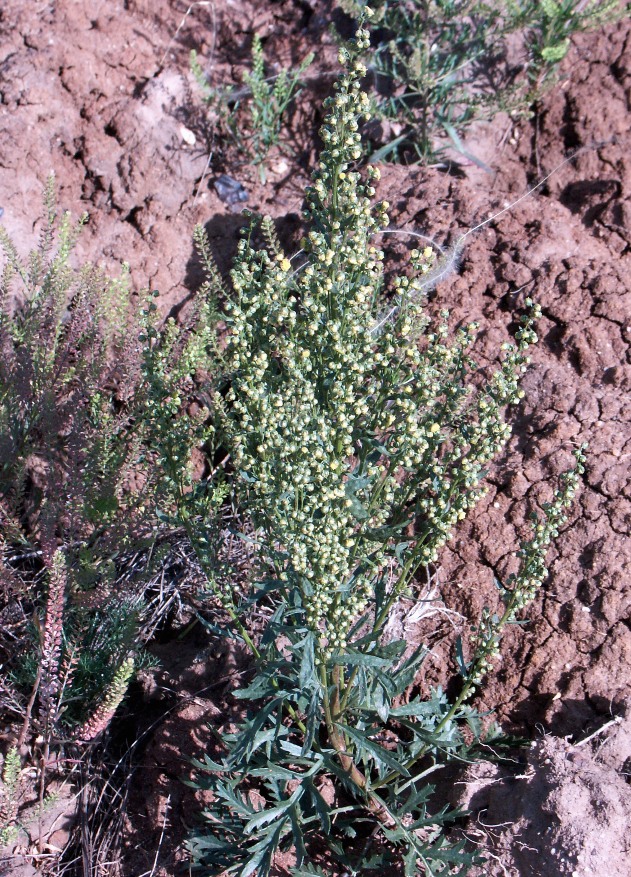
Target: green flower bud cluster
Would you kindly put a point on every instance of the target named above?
(521, 587)
(114, 694)
(9, 789)
(176, 426)
(342, 436)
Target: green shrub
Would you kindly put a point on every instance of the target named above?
(359, 436)
(9, 790)
(75, 491)
(442, 64)
(175, 362)
(96, 446)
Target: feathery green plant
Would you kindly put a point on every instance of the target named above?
(175, 361)
(268, 99)
(95, 455)
(441, 64)
(75, 491)
(359, 437)
(9, 788)
(550, 26)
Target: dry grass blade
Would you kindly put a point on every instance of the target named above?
(94, 847)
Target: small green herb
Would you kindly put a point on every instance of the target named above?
(9, 787)
(266, 98)
(70, 438)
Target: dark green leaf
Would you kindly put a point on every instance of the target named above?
(314, 720)
(320, 805)
(382, 756)
(263, 852)
(360, 659)
(308, 870)
(307, 678)
(463, 666)
(269, 815)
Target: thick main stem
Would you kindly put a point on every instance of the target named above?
(332, 715)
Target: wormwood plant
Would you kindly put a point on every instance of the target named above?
(441, 64)
(268, 98)
(177, 414)
(360, 435)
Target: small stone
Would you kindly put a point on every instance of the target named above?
(188, 136)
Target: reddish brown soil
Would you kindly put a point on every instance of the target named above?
(100, 93)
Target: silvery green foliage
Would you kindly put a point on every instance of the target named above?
(358, 443)
(70, 437)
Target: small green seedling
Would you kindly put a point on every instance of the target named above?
(265, 100)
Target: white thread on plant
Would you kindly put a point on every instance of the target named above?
(450, 259)
(300, 267)
(445, 266)
(414, 234)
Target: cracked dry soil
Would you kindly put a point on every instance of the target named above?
(100, 93)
